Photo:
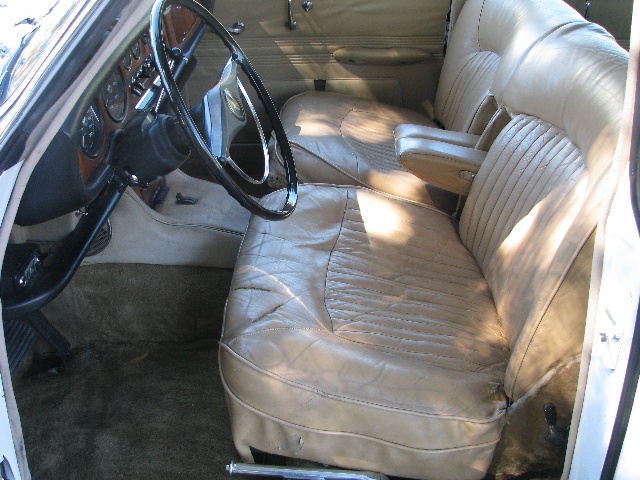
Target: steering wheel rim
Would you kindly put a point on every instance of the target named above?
(188, 124)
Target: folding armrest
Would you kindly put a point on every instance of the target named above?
(450, 136)
(443, 158)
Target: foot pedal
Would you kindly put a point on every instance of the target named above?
(18, 337)
(301, 473)
(58, 343)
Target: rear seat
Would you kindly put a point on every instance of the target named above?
(337, 139)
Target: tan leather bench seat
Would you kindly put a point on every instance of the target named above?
(344, 140)
(394, 340)
(376, 333)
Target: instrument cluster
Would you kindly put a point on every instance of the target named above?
(127, 87)
(115, 102)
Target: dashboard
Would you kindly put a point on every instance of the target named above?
(130, 87)
(80, 161)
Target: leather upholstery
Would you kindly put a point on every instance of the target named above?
(581, 104)
(370, 332)
(444, 164)
(425, 359)
(450, 136)
(344, 140)
(349, 141)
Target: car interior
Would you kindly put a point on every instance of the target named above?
(314, 235)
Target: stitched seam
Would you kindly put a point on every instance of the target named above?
(357, 435)
(332, 165)
(433, 322)
(479, 22)
(431, 259)
(326, 275)
(413, 287)
(458, 361)
(420, 341)
(428, 306)
(357, 401)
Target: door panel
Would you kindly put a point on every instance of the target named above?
(289, 61)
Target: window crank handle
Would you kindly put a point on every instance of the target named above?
(291, 23)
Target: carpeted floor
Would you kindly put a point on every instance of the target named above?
(134, 410)
(141, 397)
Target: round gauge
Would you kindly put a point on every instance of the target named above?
(135, 50)
(126, 61)
(91, 132)
(114, 96)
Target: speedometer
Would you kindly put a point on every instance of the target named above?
(91, 132)
(114, 96)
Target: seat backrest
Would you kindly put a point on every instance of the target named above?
(490, 36)
(534, 202)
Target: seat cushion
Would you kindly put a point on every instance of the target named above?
(361, 333)
(342, 140)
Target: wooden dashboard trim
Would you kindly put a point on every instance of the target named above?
(180, 25)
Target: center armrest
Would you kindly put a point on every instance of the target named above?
(442, 158)
(434, 133)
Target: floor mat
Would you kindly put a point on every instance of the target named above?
(138, 411)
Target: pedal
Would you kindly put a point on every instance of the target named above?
(301, 473)
(58, 343)
(18, 336)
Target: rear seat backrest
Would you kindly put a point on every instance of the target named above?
(535, 205)
(490, 36)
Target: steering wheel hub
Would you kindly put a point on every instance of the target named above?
(234, 104)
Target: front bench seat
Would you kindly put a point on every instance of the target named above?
(343, 140)
(366, 329)
(375, 333)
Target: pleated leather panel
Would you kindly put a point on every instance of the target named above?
(532, 165)
(369, 137)
(520, 210)
(344, 140)
(405, 285)
(457, 106)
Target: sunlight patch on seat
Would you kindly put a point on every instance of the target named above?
(382, 218)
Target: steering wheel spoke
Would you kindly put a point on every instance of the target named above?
(225, 114)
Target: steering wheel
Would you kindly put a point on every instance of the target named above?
(224, 113)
